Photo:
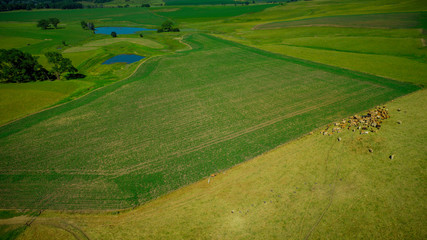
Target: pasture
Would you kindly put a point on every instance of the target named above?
(393, 47)
(385, 20)
(135, 140)
(87, 50)
(46, 93)
(302, 189)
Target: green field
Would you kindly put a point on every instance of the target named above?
(87, 50)
(392, 47)
(42, 94)
(209, 13)
(385, 20)
(302, 189)
(198, 2)
(135, 140)
(127, 152)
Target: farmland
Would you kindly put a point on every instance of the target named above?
(87, 50)
(283, 193)
(127, 146)
(158, 135)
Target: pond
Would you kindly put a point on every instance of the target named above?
(124, 58)
(120, 30)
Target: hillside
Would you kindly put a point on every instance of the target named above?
(218, 132)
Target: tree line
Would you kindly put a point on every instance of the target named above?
(17, 66)
(9, 5)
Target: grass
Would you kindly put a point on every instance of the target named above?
(403, 69)
(393, 53)
(177, 121)
(86, 50)
(378, 20)
(100, 16)
(198, 2)
(173, 123)
(17, 42)
(208, 13)
(105, 42)
(10, 232)
(42, 232)
(284, 193)
(9, 214)
(17, 99)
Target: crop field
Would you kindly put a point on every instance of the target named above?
(391, 45)
(87, 50)
(198, 2)
(209, 13)
(174, 122)
(302, 189)
(385, 20)
(216, 133)
(125, 16)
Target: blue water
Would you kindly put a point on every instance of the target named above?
(120, 30)
(124, 58)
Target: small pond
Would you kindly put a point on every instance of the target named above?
(124, 58)
(120, 30)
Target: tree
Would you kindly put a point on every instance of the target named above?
(84, 25)
(54, 22)
(91, 26)
(168, 26)
(43, 24)
(18, 67)
(113, 34)
(60, 64)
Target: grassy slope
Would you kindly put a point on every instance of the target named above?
(378, 20)
(135, 140)
(356, 214)
(17, 100)
(208, 13)
(394, 53)
(284, 193)
(18, 31)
